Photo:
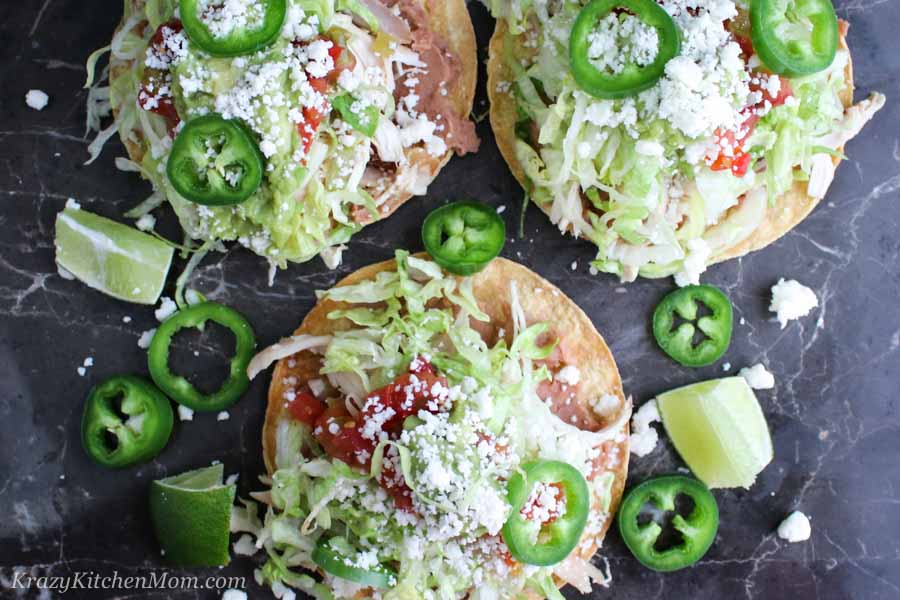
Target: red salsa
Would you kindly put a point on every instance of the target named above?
(155, 94)
(353, 439)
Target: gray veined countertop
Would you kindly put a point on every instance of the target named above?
(833, 413)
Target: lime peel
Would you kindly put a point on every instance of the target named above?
(719, 429)
(191, 515)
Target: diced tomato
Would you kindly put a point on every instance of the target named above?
(407, 395)
(507, 557)
(341, 436)
(306, 408)
(312, 118)
(746, 45)
(395, 485)
(158, 39)
(335, 52)
(784, 90)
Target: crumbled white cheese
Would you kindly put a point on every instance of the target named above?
(146, 222)
(146, 338)
(791, 300)
(694, 264)
(758, 377)
(234, 594)
(223, 416)
(37, 99)
(621, 40)
(605, 404)
(706, 85)
(569, 374)
(223, 17)
(245, 546)
(167, 308)
(643, 436)
(185, 413)
(795, 528)
(73, 204)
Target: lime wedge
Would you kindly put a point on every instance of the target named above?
(191, 514)
(110, 257)
(719, 430)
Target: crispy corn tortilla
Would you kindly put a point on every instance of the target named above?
(449, 19)
(788, 210)
(584, 347)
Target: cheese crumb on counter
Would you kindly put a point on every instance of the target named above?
(791, 300)
(234, 595)
(37, 99)
(758, 377)
(795, 528)
(223, 416)
(643, 436)
(167, 308)
(146, 338)
(185, 413)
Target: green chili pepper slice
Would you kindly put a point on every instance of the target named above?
(794, 37)
(463, 237)
(180, 389)
(261, 29)
(363, 120)
(338, 564)
(126, 421)
(545, 544)
(215, 162)
(633, 78)
(698, 529)
(677, 342)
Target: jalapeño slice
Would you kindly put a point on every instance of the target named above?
(633, 78)
(223, 35)
(463, 237)
(678, 342)
(126, 421)
(338, 564)
(697, 530)
(545, 544)
(794, 37)
(215, 162)
(180, 389)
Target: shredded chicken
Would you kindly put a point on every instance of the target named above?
(822, 171)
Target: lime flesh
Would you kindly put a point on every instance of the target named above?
(115, 259)
(719, 430)
(191, 515)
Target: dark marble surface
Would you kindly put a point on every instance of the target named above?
(833, 414)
